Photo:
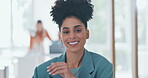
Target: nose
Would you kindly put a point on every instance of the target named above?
(72, 35)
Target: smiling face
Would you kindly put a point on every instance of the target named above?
(73, 34)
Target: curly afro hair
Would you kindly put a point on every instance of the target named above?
(81, 9)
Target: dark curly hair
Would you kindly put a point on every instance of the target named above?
(81, 9)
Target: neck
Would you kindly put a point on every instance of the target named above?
(74, 58)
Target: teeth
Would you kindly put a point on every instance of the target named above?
(73, 43)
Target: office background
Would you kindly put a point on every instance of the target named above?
(118, 31)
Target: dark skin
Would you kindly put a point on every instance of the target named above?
(73, 34)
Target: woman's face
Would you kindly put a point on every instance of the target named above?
(39, 27)
(74, 34)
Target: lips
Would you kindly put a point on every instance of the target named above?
(73, 43)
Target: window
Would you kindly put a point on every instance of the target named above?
(5, 30)
(99, 40)
(22, 12)
(142, 37)
(123, 39)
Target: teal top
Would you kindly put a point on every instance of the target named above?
(93, 66)
(75, 72)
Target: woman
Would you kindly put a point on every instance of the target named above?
(36, 41)
(76, 62)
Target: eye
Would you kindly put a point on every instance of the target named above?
(78, 30)
(66, 32)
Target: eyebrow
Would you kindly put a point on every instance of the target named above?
(77, 26)
(74, 27)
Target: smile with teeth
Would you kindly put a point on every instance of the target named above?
(73, 43)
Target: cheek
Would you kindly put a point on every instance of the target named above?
(64, 38)
(82, 35)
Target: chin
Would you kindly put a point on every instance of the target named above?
(74, 50)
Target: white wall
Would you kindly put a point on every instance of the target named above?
(41, 11)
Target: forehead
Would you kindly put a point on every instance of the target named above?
(72, 22)
(39, 24)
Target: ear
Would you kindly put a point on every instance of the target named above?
(87, 34)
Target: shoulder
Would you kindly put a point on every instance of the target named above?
(99, 60)
(41, 70)
(45, 31)
(102, 66)
(47, 63)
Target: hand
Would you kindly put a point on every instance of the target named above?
(60, 68)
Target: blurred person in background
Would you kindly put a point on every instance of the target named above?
(37, 38)
(36, 53)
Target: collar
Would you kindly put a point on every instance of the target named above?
(87, 62)
(87, 66)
